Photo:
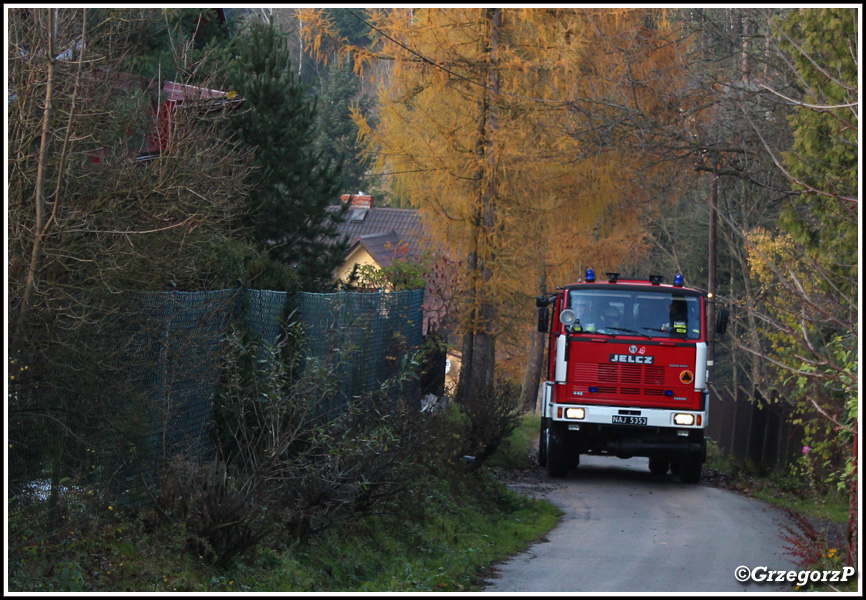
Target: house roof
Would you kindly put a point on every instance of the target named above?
(383, 247)
(181, 92)
(404, 223)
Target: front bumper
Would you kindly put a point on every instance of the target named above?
(617, 415)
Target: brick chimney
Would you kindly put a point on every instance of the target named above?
(359, 200)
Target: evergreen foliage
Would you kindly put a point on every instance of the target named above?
(337, 133)
(340, 94)
(172, 42)
(293, 184)
(824, 161)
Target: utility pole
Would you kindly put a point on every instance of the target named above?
(711, 284)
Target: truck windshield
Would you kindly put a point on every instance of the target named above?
(657, 313)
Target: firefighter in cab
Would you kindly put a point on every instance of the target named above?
(583, 320)
(676, 317)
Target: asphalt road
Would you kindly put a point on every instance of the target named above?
(626, 530)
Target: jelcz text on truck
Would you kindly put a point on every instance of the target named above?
(626, 374)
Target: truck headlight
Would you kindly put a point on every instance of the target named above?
(575, 413)
(684, 419)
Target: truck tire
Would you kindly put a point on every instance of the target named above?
(659, 465)
(542, 442)
(689, 468)
(558, 460)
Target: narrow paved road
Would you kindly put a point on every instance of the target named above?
(626, 530)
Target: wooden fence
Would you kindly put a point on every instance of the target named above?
(762, 437)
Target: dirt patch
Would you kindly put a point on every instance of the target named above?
(533, 481)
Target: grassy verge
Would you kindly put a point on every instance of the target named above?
(442, 536)
(445, 552)
(445, 534)
(513, 454)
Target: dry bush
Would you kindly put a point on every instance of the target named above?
(285, 469)
(488, 418)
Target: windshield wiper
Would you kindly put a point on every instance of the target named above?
(654, 329)
(594, 332)
(632, 331)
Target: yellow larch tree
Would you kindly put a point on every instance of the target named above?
(478, 109)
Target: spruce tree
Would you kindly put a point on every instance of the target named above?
(337, 134)
(293, 184)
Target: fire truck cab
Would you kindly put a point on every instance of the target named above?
(626, 374)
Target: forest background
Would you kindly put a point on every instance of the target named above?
(720, 143)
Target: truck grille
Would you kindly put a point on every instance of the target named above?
(631, 374)
(628, 375)
(608, 373)
(627, 384)
(654, 375)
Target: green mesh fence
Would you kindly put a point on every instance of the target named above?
(362, 337)
(264, 312)
(174, 371)
(113, 406)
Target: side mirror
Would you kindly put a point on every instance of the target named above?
(543, 319)
(541, 301)
(722, 321)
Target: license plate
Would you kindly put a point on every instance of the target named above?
(629, 420)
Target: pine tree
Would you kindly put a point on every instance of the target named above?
(293, 184)
(337, 133)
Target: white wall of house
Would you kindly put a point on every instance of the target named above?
(359, 256)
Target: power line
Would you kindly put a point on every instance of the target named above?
(403, 172)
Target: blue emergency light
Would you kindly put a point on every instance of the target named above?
(590, 275)
(678, 280)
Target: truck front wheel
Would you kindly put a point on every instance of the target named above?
(659, 465)
(689, 468)
(542, 442)
(558, 460)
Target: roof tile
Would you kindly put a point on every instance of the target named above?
(404, 223)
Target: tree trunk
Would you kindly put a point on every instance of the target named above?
(479, 365)
(39, 189)
(468, 344)
(535, 364)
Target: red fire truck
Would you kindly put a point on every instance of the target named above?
(626, 374)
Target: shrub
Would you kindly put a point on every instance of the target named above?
(285, 469)
(487, 419)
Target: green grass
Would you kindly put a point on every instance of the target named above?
(512, 454)
(443, 536)
(448, 552)
(830, 506)
(444, 542)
